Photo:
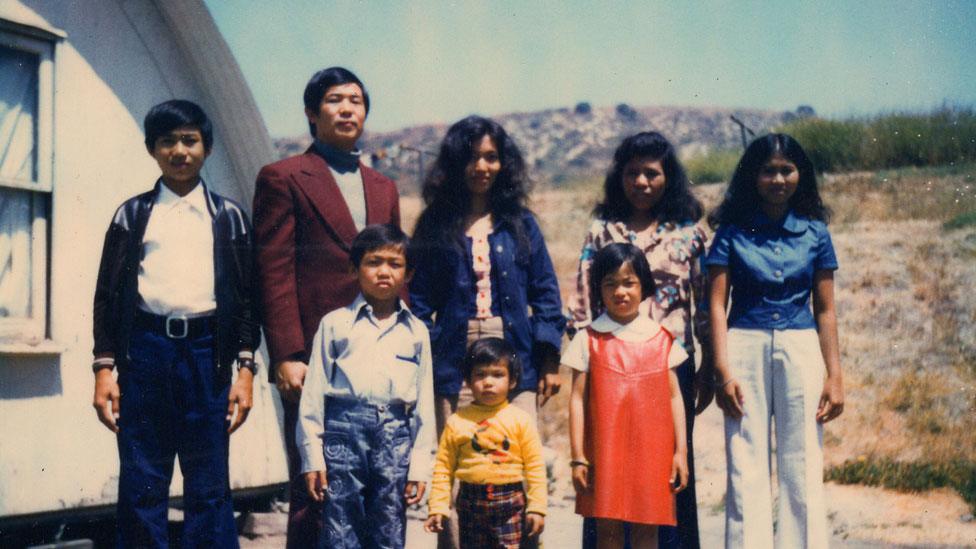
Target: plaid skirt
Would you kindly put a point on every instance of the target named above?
(491, 516)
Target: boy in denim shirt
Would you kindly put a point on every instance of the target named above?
(366, 416)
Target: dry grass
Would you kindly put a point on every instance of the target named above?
(906, 310)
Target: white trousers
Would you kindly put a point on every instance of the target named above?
(781, 373)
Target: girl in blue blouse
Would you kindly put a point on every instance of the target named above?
(773, 250)
(482, 263)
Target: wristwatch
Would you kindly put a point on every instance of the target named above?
(247, 364)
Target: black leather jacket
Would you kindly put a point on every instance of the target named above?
(117, 295)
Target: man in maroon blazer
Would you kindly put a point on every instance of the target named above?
(307, 210)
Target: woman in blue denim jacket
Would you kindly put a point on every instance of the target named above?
(482, 264)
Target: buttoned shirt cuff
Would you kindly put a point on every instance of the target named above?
(312, 458)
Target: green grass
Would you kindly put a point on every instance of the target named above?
(943, 136)
(960, 221)
(909, 476)
(712, 167)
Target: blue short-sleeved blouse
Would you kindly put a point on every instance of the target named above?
(771, 267)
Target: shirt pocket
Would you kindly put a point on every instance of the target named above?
(404, 373)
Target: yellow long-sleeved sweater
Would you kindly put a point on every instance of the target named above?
(489, 445)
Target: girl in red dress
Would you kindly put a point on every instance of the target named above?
(626, 414)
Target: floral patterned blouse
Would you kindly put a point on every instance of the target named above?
(673, 251)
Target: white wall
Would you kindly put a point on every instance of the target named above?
(119, 59)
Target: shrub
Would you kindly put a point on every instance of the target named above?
(946, 135)
(909, 476)
(966, 219)
(833, 145)
(713, 166)
(627, 112)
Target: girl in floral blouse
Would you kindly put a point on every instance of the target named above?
(648, 203)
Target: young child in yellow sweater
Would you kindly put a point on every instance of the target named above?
(491, 447)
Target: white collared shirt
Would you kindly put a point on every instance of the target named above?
(642, 328)
(357, 357)
(176, 274)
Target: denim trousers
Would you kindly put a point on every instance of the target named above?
(173, 403)
(367, 456)
(781, 374)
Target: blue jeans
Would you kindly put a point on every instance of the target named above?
(173, 403)
(685, 534)
(367, 456)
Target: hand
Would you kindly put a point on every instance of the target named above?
(240, 397)
(315, 483)
(730, 399)
(704, 385)
(290, 376)
(106, 401)
(414, 492)
(549, 383)
(831, 400)
(534, 524)
(581, 478)
(435, 524)
(679, 473)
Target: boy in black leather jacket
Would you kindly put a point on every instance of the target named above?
(173, 310)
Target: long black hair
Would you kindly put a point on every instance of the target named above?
(742, 200)
(445, 190)
(608, 261)
(676, 205)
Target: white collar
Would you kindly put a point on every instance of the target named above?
(643, 326)
(360, 307)
(196, 198)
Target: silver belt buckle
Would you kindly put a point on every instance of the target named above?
(172, 334)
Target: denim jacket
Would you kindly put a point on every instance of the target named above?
(442, 294)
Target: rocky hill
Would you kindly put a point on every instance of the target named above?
(561, 144)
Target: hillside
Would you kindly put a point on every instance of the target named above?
(907, 327)
(565, 144)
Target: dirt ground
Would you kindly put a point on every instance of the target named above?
(903, 291)
(858, 516)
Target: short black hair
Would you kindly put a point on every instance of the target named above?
(491, 350)
(175, 113)
(608, 260)
(378, 236)
(325, 79)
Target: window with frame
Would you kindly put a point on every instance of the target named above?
(26, 97)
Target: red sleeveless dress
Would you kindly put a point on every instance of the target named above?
(629, 430)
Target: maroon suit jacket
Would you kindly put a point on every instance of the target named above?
(302, 232)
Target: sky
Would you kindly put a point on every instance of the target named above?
(436, 62)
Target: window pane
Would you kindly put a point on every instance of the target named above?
(18, 114)
(15, 253)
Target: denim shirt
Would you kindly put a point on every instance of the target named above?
(356, 358)
(771, 268)
(442, 294)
